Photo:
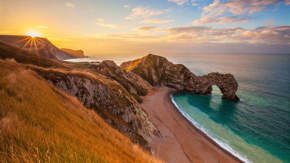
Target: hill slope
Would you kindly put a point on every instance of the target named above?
(108, 98)
(25, 57)
(39, 123)
(37, 45)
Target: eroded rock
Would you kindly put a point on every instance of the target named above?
(158, 71)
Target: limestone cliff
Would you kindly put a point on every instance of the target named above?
(113, 103)
(37, 45)
(75, 53)
(158, 71)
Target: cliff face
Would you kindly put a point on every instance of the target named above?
(111, 102)
(75, 53)
(133, 83)
(36, 45)
(158, 71)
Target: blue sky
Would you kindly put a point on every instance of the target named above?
(258, 26)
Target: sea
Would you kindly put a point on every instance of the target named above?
(255, 129)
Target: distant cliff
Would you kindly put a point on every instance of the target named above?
(37, 45)
(75, 53)
(158, 71)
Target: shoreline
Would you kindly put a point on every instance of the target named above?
(203, 133)
(182, 141)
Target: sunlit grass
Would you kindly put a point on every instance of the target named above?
(39, 123)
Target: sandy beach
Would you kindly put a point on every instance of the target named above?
(182, 142)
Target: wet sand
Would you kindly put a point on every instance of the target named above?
(182, 142)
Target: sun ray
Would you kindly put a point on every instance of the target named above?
(31, 43)
(16, 42)
(22, 48)
(35, 45)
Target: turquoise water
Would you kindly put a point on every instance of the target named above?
(256, 129)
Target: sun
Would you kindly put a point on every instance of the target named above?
(33, 34)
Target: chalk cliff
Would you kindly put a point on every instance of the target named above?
(75, 53)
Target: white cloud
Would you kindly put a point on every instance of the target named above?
(213, 13)
(193, 3)
(101, 20)
(182, 37)
(126, 6)
(146, 28)
(237, 7)
(221, 20)
(112, 25)
(42, 26)
(157, 21)
(69, 5)
(143, 12)
(179, 2)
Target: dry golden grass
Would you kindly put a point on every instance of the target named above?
(38, 123)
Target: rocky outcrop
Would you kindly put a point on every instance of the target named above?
(37, 45)
(113, 103)
(158, 71)
(75, 53)
(133, 83)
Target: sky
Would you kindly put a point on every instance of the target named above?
(153, 26)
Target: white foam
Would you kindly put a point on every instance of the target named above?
(219, 142)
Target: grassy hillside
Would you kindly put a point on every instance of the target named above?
(39, 123)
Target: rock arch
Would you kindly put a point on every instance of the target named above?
(225, 82)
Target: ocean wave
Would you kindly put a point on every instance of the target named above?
(219, 142)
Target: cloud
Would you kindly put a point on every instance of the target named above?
(69, 5)
(182, 37)
(5, 32)
(100, 20)
(179, 2)
(138, 45)
(112, 25)
(222, 20)
(126, 6)
(264, 34)
(190, 29)
(146, 28)
(213, 13)
(264, 39)
(128, 36)
(42, 26)
(157, 21)
(287, 2)
(143, 12)
(269, 34)
(238, 7)
(270, 22)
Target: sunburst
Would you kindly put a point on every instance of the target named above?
(31, 41)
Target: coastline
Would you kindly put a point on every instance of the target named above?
(182, 141)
